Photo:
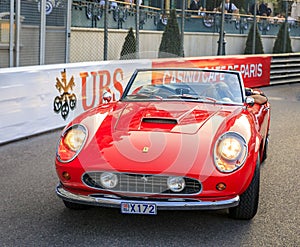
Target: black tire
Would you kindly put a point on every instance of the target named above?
(248, 204)
(265, 152)
(76, 206)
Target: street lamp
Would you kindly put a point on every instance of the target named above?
(286, 24)
(105, 31)
(254, 27)
(221, 42)
(182, 28)
(137, 29)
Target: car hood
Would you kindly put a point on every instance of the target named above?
(156, 137)
(171, 117)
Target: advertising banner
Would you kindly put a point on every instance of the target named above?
(255, 70)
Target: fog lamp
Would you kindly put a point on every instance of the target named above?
(176, 184)
(109, 180)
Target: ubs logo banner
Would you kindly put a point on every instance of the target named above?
(67, 100)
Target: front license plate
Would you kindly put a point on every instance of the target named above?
(138, 208)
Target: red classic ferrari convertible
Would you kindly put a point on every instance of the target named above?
(176, 139)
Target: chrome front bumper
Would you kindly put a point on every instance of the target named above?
(115, 201)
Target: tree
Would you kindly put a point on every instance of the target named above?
(279, 42)
(129, 47)
(171, 45)
(258, 42)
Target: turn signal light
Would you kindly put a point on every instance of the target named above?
(221, 186)
(66, 175)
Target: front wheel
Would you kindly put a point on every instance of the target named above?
(248, 204)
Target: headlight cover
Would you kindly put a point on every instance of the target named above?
(71, 143)
(230, 152)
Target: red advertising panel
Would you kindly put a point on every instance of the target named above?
(254, 69)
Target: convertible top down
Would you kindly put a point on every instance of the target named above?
(178, 138)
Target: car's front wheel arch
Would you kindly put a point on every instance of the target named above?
(248, 204)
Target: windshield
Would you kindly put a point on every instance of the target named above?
(185, 84)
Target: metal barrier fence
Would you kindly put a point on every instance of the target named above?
(40, 32)
(37, 34)
(285, 68)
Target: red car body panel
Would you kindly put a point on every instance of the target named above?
(117, 135)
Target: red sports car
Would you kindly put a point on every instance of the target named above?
(176, 139)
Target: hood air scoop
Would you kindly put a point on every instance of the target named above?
(158, 123)
(160, 120)
(164, 116)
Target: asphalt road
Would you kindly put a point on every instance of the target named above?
(32, 215)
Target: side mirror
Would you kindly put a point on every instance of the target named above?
(107, 97)
(249, 101)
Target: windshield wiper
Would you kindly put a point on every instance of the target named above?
(208, 99)
(145, 96)
(188, 96)
(182, 96)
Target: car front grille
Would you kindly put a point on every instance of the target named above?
(139, 183)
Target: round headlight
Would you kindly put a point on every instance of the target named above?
(176, 184)
(109, 180)
(230, 148)
(74, 139)
(230, 152)
(71, 142)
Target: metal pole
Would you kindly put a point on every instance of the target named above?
(68, 31)
(11, 34)
(285, 27)
(254, 28)
(221, 34)
(182, 27)
(105, 31)
(42, 31)
(137, 29)
(17, 35)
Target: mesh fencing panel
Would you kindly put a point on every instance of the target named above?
(30, 32)
(120, 17)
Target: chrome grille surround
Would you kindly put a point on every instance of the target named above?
(142, 184)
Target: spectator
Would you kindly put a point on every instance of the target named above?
(263, 9)
(279, 18)
(133, 1)
(202, 4)
(269, 10)
(252, 9)
(197, 5)
(229, 7)
(194, 5)
(113, 5)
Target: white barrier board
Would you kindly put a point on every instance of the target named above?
(35, 99)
